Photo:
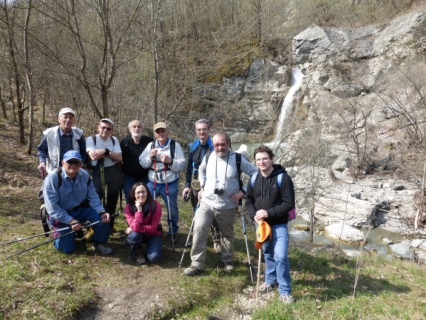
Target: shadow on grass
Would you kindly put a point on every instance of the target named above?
(333, 276)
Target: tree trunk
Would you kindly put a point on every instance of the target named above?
(28, 77)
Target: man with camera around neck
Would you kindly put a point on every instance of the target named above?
(219, 198)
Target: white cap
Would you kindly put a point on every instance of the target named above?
(66, 110)
(108, 120)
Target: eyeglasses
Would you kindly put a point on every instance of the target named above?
(74, 162)
(141, 192)
(217, 145)
(106, 128)
(202, 129)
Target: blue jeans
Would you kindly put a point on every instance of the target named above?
(153, 245)
(67, 244)
(128, 182)
(276, 259)
(171, 199)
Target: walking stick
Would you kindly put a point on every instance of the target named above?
(85, 225)
(189, 235)
(247, 248)
(168, 207)
(34, 236)
(258, 273)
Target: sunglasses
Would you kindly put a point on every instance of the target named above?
(74, 162)
(106, 128)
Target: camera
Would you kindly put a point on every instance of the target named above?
(186, 197)
(217, 191)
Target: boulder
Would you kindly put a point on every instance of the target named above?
(345, 233)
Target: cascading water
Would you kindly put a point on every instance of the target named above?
(296, 82)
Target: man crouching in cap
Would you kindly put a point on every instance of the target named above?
(70, 198)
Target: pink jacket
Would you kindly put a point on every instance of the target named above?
(145, 224)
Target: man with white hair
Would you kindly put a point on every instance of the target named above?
(132, 147)
(58, 140)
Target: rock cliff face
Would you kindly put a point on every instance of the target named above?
(362, 96)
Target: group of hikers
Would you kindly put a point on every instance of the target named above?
(147, 168)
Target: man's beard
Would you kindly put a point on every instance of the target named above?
(136, 134)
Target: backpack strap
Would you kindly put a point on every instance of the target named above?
(172, 147)
(94, 140)
(253, 179)
(279, 179)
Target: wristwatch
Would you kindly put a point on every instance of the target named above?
(107, 152)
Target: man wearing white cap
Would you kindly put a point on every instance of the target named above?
(165, 159)
(105, 152)
(58, 140)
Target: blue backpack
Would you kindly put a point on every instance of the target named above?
(292, 212)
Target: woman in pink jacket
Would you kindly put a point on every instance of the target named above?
(143, 215)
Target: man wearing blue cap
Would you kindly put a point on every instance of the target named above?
(70, 198)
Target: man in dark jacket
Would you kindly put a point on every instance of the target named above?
(269, 198)
(132, 147)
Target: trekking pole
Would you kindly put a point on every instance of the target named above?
(189, 235)
(102, 172)
(168, 207)
(155, 177)
(248, 252)
(85, 225)
(35, 236)
(258, 273)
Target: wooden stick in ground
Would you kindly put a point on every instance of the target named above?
(258, 273)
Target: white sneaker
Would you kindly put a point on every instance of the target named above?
(103, 249)
(265, 287)
(286, 298)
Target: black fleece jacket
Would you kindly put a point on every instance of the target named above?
(266, 194)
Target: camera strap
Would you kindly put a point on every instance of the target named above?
(226, 170)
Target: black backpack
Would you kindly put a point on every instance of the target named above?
(43, 213)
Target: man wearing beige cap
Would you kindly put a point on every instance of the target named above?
(58, 140)
(165, 159)
(105, 152)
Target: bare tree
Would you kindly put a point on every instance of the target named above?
(16, 82)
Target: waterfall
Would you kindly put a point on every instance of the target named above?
(296, 82)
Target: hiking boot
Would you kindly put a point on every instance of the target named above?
(217, 247)
(228, 266)
(286, 298)
(266, 287)
(88, 235)
(103, 249)
(192, 271)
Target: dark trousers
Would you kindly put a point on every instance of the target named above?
(108, 184)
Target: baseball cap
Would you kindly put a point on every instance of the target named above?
(263, 233)
(66, 110)
(72, 154)
(160, 125)
(108, 120)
